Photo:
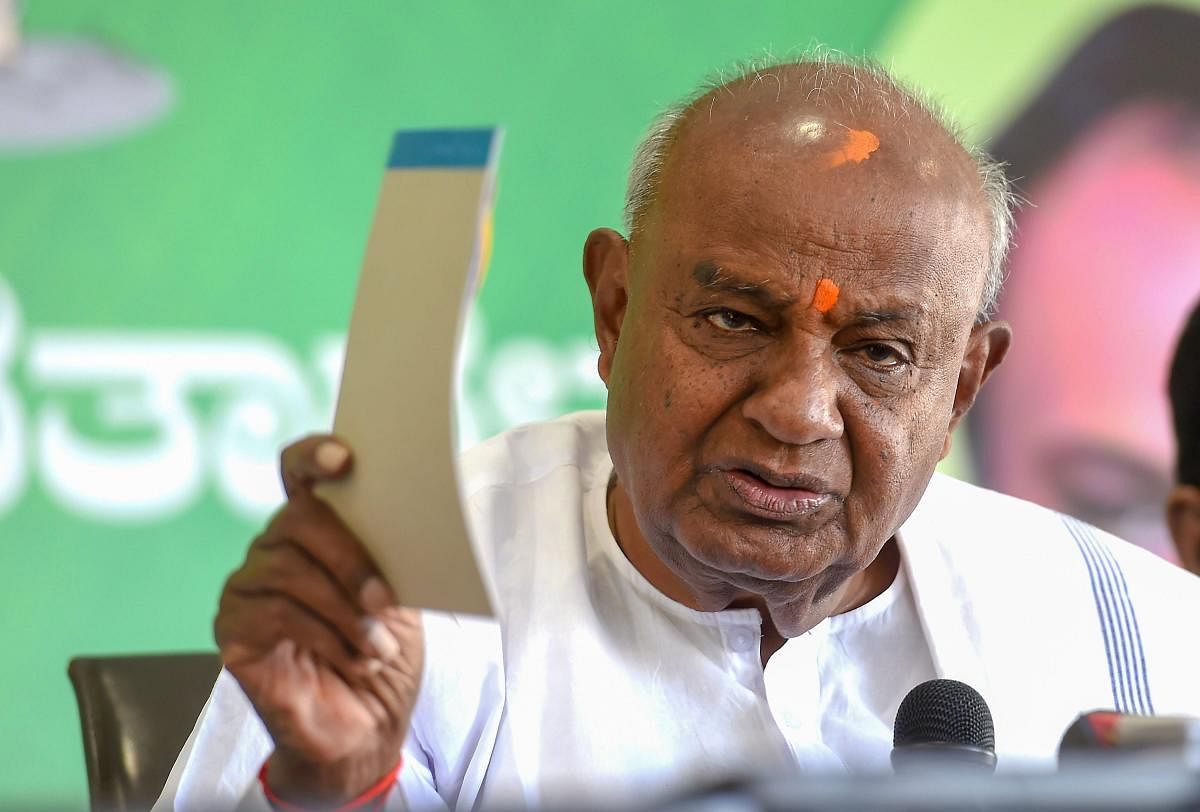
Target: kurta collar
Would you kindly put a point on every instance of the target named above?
(947, 616)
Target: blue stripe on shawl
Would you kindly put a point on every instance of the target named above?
(1101, 613)
(1118, 621)
(1137, 658)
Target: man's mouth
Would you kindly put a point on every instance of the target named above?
(777, 495)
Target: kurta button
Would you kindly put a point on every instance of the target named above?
(742, 640)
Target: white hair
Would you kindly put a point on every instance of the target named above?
(857, 84)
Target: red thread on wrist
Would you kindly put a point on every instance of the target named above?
(372, 797)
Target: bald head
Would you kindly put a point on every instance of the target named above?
(838, 123)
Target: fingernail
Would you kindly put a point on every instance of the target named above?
(374, 595)
(374, 666)
(382, 640)
(331, 456)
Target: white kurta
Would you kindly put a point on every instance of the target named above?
(591, 683)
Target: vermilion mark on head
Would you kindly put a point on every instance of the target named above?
(857, 147)
(825, 296)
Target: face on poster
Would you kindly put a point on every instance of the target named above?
(1105, 269)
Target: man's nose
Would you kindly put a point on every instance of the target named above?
(795, 400)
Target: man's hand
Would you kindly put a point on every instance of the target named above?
(312, 633)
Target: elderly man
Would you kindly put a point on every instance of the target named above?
(1183, 505)
(747, 562)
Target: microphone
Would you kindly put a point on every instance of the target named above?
(1103, 734)
(944, 724)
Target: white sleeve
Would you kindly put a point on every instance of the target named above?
(218, 766)
(446, 757)
(221, 758)
(416, 790)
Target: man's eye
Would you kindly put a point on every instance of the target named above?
(883, 355)
(730, 321)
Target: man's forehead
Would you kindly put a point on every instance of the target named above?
(883, 257)
(891, 290)
(834, 123)
(868, 218)
(804, 180)
(819, 148)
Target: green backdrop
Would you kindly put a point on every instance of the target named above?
(217, 247)
(172, 298)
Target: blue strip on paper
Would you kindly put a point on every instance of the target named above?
(441, 149)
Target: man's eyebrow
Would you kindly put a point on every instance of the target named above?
(882, 316)
(713, 278)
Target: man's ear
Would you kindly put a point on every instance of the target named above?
(606, 269)
(1183, 517)
(986, 347)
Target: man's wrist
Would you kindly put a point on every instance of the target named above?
(292, 784)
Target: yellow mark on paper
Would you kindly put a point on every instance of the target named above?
(487, 232)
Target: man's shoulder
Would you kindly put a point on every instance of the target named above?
(994, 542)
(530, 452)
(978, 522)
(1034, 587)
(974, 526)
(530, 496)
(961, 505)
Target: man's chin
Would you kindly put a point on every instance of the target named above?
(754, 554)
(778, 579)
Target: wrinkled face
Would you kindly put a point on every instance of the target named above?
(769, 448)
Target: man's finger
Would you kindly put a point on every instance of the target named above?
(312, 526)
(312, 459)
(250, 626)
(283, 567)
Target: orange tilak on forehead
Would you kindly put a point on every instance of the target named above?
(857, 147)
(825, 296)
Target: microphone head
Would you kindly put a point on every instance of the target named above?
(944, 712)
(943, 725)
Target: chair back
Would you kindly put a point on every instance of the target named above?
(136, 712)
